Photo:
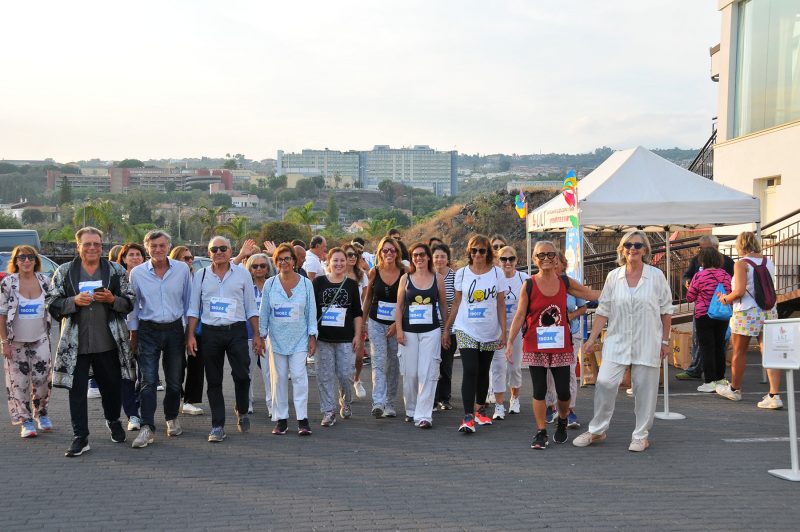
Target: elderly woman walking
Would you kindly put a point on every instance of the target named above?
(636, 304)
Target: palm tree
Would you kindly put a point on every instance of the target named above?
(101, 214)
(378, 228)
(304, 216)
(236, 228)
(208, 218)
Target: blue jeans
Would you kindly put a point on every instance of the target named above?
(152, 342)
(385, 365)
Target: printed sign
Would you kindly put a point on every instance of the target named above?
(89, 286)
(333, 316)
(550, 337)
(780, 349)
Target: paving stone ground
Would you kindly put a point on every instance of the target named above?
(368, 474)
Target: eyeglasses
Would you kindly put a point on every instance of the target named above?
(497, 246)
(477, 251)
(634, 245)
(91, 244)
(214, 249)
(387, 251)
(22, 258)
(549, 255)
(282, 260)
(351, 255)
(187, 258)
(262, 266)
(508, 259)
(419, 255)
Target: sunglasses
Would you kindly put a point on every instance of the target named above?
(351, 255)
(634, 245)
(477, 251)
(214, 249)
(508, 259)
(418, 255)
(497, 246)
(22, 258)
(187, 258)
(282, 260)
(261, 266)
(387, 251)
(549, 255)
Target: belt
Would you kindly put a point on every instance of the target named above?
(161, 326)
(229, 327)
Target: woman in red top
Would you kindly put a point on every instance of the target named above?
(547, 341)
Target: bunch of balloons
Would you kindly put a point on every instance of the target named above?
(568, 190)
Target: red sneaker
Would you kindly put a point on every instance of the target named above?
(468, 425)
(482, 419)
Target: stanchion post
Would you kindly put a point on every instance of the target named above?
(792, 474)
(666, 414)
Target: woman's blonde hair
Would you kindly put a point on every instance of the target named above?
(398, 259)
(24, 249)
(648, 251)
(747, 242)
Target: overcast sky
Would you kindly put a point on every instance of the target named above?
(188, 78)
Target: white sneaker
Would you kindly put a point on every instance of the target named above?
(160, 387)
(771, 403)
(637, 446)
(144, 438)
(513, 405)
(728, 393)
(93, 393)
(499, 411)
(134, 423)
(191, 410)
(174, 427)
(707, 387)
(490, 398)
(361, 393)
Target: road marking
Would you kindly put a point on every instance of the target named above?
(714, 394)
(756, 440)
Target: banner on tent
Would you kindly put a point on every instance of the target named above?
(573, 248)
(548, 220)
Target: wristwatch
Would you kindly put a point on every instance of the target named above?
(664, 342)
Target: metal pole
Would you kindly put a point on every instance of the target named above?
(792, 474)
(666, 414)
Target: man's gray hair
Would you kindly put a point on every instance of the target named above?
(220, 237)
(709, 239)
(156, 233)
(317, 240)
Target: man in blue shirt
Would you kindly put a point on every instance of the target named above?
(222, 299)
(162, 287)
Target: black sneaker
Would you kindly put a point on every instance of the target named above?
(540, 440)
(409, 419)
(561, 431)
(79, 446)
(117, 432)
(244, 424)
(304, 429)
(281, 427)
(377, 411)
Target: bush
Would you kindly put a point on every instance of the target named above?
(282, 232)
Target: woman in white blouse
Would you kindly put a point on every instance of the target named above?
(636, 304)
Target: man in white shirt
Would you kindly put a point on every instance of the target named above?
(315, 258)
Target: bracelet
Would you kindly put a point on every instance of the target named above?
(664, 342)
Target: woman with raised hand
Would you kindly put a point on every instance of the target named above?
(441, 264)
(479, 320)
(288, 317)
(380, 301)
(356, 272)
(547, 342)
(25, 341)
(130, 256)
(506, 373)
(421, 292)
(258, 265)
(339, 338)
(636, 304)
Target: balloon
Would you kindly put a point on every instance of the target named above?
(569, 196)
(521, 212)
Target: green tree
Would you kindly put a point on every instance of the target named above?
(32, 216)
(277, 182)
(130, 163)
(332, 212)
(282, 232)
(319, 181)
(236, 228)
(104, 216)
(65, 194)
(221, 200)
(170, 186)
(288, 195)
(304, 216)
(230, 164)
(139, 211)
(378, 228)
(387, 187)
(306, 188)
(9, 222)
(209, 219)
(337, 179)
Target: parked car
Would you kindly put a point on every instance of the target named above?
(200, 262)
(48, 266)
(11, 238)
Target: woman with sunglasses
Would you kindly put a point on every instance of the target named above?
(355, 271)
(25, 341)
(546, 344)
(479, 321)
(420, 293)
(441, 264)
(259, 268)
(508, 373)
(288, 317)
(130, 256)
(340, 325)
(636, 304)
(380, 301)
(195, 373)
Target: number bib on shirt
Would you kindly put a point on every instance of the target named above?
(550, 337)
(30, 310)
(510, 310)
(386, 310)
(420, 315)
(89, 286)
(477, 313)
(286, 313)
(222, 307)
(333, 316)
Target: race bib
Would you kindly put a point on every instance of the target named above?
(550, 337)
(30, 311)
(386, 310)
(89, 286)
(333, 316)
(510, 310)
(477, 313)
(420, 315)
(222, 307)
(286, 313)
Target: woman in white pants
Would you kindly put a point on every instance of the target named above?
(288, 317)
(504, 374)
(636, 303)
(258, 267)
(421, 291)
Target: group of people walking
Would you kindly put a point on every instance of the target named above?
(278, 307)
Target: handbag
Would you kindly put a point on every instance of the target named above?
(717, 310)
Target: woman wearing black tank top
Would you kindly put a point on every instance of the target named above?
(419, 335)
(380, 300)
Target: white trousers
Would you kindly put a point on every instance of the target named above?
(645, 394)
(419, 366)
(504, 374)
(264, 375)
(280, 367)
(551, 397)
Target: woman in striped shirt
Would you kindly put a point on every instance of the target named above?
(441, 263)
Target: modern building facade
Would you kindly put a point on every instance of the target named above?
(121, 180)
